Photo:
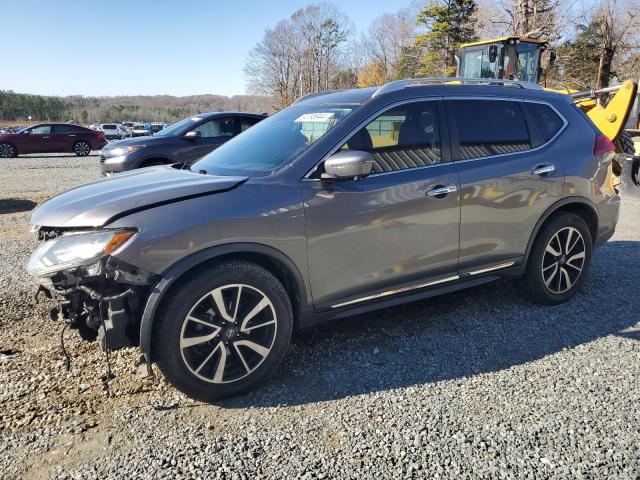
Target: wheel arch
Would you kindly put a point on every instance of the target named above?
(578, 205)
(155, 158)
(269, 258)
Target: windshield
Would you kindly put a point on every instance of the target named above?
(176, 128)
(273, 142)
(526, 67)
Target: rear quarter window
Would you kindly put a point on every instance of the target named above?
(547, 120)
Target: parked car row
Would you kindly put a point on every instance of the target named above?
(135, 146)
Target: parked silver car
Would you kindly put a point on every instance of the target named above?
(340, 204)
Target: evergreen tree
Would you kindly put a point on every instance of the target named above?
(447, 24)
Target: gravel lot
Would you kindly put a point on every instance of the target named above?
(473, 384)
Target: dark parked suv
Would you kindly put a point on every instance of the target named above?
(183, 142)
(343, 203)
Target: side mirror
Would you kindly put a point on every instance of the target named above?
(493, 53)
(349, 164)
(192, 135)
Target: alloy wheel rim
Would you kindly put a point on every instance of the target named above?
(82, 148)
(563, 260)
(6, 151)
(228, 333)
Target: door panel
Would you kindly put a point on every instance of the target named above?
(370, 235)
(374, 233)
(501, 198)
(40, 139)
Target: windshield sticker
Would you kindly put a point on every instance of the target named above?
(315, 117)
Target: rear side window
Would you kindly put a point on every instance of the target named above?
(547, 121)
(489, 127)
(63, 128)
(109, 127)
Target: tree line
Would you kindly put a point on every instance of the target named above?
(316, 48)
(86, 110)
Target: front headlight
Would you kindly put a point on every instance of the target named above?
(119, 151)
(75, 249)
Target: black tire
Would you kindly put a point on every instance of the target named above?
(624, 144)
(193, 366)
(7, 150)
(82, 148)
(538, 284)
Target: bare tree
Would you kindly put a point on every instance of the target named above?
(300, 55)
(389, 38)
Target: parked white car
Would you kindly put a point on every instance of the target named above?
(113, 131)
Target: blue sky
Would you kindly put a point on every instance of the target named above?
(114, 47)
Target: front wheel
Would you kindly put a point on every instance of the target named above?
(559, 261)
(82, 148)
(7, 150)
(223, 331)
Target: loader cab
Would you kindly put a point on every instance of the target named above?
(509, 58)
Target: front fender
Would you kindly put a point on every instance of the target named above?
(177, 270)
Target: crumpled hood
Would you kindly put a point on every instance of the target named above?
(99, 203)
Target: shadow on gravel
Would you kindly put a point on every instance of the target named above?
(15, 205)
(481, 330)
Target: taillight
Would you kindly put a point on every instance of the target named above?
(603, 145)
(100, 134)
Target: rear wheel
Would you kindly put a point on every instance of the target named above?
(624, 144)
(223, 331)
(7, 150)
(559, 261)
(82, 148)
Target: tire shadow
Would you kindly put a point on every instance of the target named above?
(484, 329)
(16, 205)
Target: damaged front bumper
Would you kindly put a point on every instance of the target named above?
(103, 299)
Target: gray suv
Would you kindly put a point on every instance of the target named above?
(343, 203)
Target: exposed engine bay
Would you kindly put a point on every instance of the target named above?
(103, 300)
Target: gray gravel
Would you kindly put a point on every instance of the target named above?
(473, 384)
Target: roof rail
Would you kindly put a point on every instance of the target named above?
(414, 82)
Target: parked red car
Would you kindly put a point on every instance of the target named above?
(51, 138)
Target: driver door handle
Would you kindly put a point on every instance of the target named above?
(543, 169)
(441, 190)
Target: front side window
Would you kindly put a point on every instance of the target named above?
(404, 137)
(274, 141)
(489, 127)
(41, 130)
(218, 127)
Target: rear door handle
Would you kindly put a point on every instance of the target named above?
(440, 191)
(72, 135)
(46, 137)
(543, 169)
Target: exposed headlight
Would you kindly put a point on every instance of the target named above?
(119, 151)
(75, 249)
